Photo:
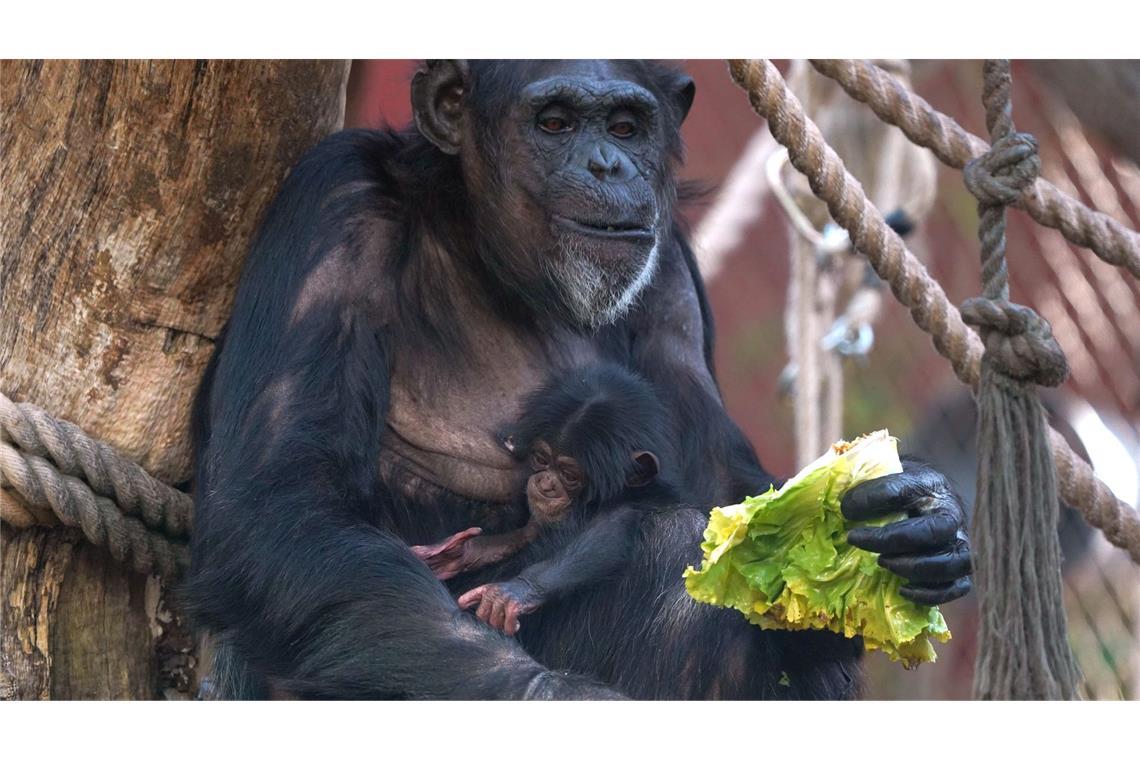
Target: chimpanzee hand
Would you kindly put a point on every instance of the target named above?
(449, 557)
(500, 604)
(929, 548)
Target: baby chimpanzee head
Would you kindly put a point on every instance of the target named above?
(586, 435)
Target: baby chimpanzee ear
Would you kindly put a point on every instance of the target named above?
(645, 468)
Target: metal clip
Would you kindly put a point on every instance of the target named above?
(847, 339)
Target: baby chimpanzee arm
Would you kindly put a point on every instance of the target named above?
(468, 551)
(596, 553)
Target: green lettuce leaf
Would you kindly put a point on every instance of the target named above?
(782, 559)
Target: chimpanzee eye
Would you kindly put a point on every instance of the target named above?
(539, 461)
(623, 129)
(554, 125)
(569, 478)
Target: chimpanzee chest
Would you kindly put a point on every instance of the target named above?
(448, 426)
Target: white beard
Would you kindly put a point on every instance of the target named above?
(596, 295)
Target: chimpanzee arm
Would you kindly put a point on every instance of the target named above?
(672, 345)
(595, 553)
(288, 564)
(468, 551)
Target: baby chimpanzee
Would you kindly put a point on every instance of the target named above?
(592, 453)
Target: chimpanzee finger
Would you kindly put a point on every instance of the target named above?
(470, 598)
(498, 614)
(890, 493)
(461, 538)
(449, 544)
(943, 567)
(511, 625)
(485, 608)
(937, 594)
(915, 535)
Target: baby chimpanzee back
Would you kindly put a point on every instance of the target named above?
(592, 458)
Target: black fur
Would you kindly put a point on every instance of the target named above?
(301, 568)
(599, 414)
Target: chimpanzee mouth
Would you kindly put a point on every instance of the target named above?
(615, 230)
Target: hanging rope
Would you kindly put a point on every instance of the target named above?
(912, 285)
(895, 104)
(814, 283)
(896, 174)
(1023, 652)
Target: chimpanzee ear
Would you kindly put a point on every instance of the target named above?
(437, 103)
(685, 89)
(645, 468)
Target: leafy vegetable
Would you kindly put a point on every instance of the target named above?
(782, 559)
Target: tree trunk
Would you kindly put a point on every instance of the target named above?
(130, 192)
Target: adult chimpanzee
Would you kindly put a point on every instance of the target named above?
(405, 291)
(589, 446)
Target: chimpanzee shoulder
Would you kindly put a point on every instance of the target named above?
(405, 291)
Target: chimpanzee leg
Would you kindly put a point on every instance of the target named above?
(647, 637)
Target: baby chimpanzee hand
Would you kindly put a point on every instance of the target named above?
(500, 604)
(450, 557)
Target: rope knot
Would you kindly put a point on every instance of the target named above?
(1002, 173)
(1019, 342)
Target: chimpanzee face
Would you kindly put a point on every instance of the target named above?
(568, 167)
(555, 480)
(594, 176)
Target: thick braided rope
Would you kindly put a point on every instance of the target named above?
(108, 472)
(1023, 650)
(911, 284)
(38, 482)
(895, 104)
(1012, 158)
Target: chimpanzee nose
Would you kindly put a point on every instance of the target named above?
(548, 484)
(604, 162)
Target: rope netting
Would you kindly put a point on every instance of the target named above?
(909, 280)
(892, 102)
(1023, 650)
(53, 472)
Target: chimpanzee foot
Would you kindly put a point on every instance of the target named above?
(449, 557)
(500, 604)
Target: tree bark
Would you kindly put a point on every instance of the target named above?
(130, 193)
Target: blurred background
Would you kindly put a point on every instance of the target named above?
(881, 371)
